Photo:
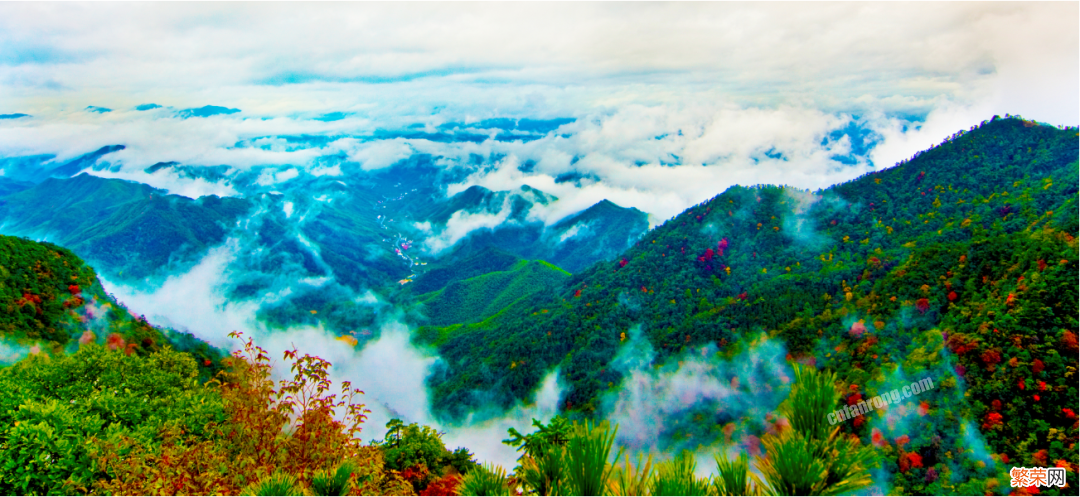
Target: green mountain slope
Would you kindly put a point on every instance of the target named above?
(474, 299)
(803, 266)
(451, 269)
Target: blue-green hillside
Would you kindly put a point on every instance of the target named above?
(475, 299)
(121, 226)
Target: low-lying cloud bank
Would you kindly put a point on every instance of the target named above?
(660, 158)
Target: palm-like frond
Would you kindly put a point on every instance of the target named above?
(676, 477)
(586, 464)
(733, 476)
(485, 480)
(813, 458)
(630, 478)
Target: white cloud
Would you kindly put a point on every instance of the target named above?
(380, 154)
(459, 225)
(745, 389)
(270, 177)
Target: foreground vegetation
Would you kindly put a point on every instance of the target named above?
(960, 265)
(101, 421)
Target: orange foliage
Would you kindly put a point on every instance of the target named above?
(1068, 340)
(268, 427)
(114, 341)
(1040, 457)
(447, 485)
(992, 419)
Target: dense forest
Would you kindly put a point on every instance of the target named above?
(961, 261)
(959, 265)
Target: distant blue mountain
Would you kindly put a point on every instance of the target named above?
(148, 107)
(13, 116)
(25, 167)
(541, 126)
(512, 129)
(37, 168)
(9, 186)
(206, 111)
(160, 165)
(99, 110)
(73, 167)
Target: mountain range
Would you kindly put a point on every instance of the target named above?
(958, 265)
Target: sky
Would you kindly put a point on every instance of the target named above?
(674, 102)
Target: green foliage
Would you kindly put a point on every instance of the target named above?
(557, 432)
(278, 483)
(474, 299)
(43, 450)
(631, 478)
(586, 463)
(733, 476)
(333, 482)
(541, 465)
(813, 397)
(56, 409)
(959, 264)
(486, 480)
(564, 459)
(812, 458)
(39, 283)
(544, 469)
(676, 477)
(411, 445)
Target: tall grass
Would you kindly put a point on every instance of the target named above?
(631, 479)
(587, 452)
(333, 482)
(732, 476)
(486, 480)
(813, 458)
(543, 471)
(278, 483)
(676, 477)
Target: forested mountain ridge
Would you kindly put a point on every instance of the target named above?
(973, 241)
(52, 302)
(125, 226)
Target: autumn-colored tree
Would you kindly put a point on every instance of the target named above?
(268, 429)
